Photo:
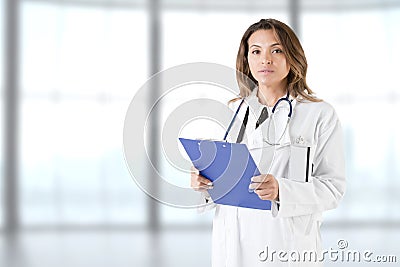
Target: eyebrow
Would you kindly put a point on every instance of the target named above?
(274, 44)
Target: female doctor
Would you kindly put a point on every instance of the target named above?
(295, 140)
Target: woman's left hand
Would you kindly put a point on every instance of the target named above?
(265, 186)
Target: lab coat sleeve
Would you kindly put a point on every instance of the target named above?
(327, 185)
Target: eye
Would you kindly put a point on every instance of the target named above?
(277, 51)
(255, 52)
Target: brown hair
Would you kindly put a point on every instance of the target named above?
(293, 51)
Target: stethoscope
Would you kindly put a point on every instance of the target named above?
(267, 138)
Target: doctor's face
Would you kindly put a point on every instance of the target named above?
(266, 59)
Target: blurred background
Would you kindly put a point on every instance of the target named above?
(69, 70)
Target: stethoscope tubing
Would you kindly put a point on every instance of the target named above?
(286, 98)
(233, 119)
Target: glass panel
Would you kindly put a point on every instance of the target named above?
(80, 68)
(358, 76)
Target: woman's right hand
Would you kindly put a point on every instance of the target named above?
(199, 182)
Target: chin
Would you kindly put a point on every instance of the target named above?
(265, 82)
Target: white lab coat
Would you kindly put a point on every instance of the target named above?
(243, 237)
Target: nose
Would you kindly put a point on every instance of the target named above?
(267, 59)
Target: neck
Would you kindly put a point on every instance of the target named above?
(269, 95)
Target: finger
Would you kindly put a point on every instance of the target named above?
(263, 192)
(199, 184)
(271, 185)
(258, 178)
(202, 187)
(263, 178)
(266, 194)
(199, 178)
(260, 181)
(254, 186)
(258, 186)
(203, 180)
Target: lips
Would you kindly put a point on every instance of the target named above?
(265, 71)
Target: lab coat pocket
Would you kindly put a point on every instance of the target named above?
(300, 163)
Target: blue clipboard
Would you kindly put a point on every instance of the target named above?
(230, 167)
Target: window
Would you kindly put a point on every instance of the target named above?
(80, 68)
(81, 64)
(359, 78)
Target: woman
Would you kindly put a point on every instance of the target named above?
(303, 174)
